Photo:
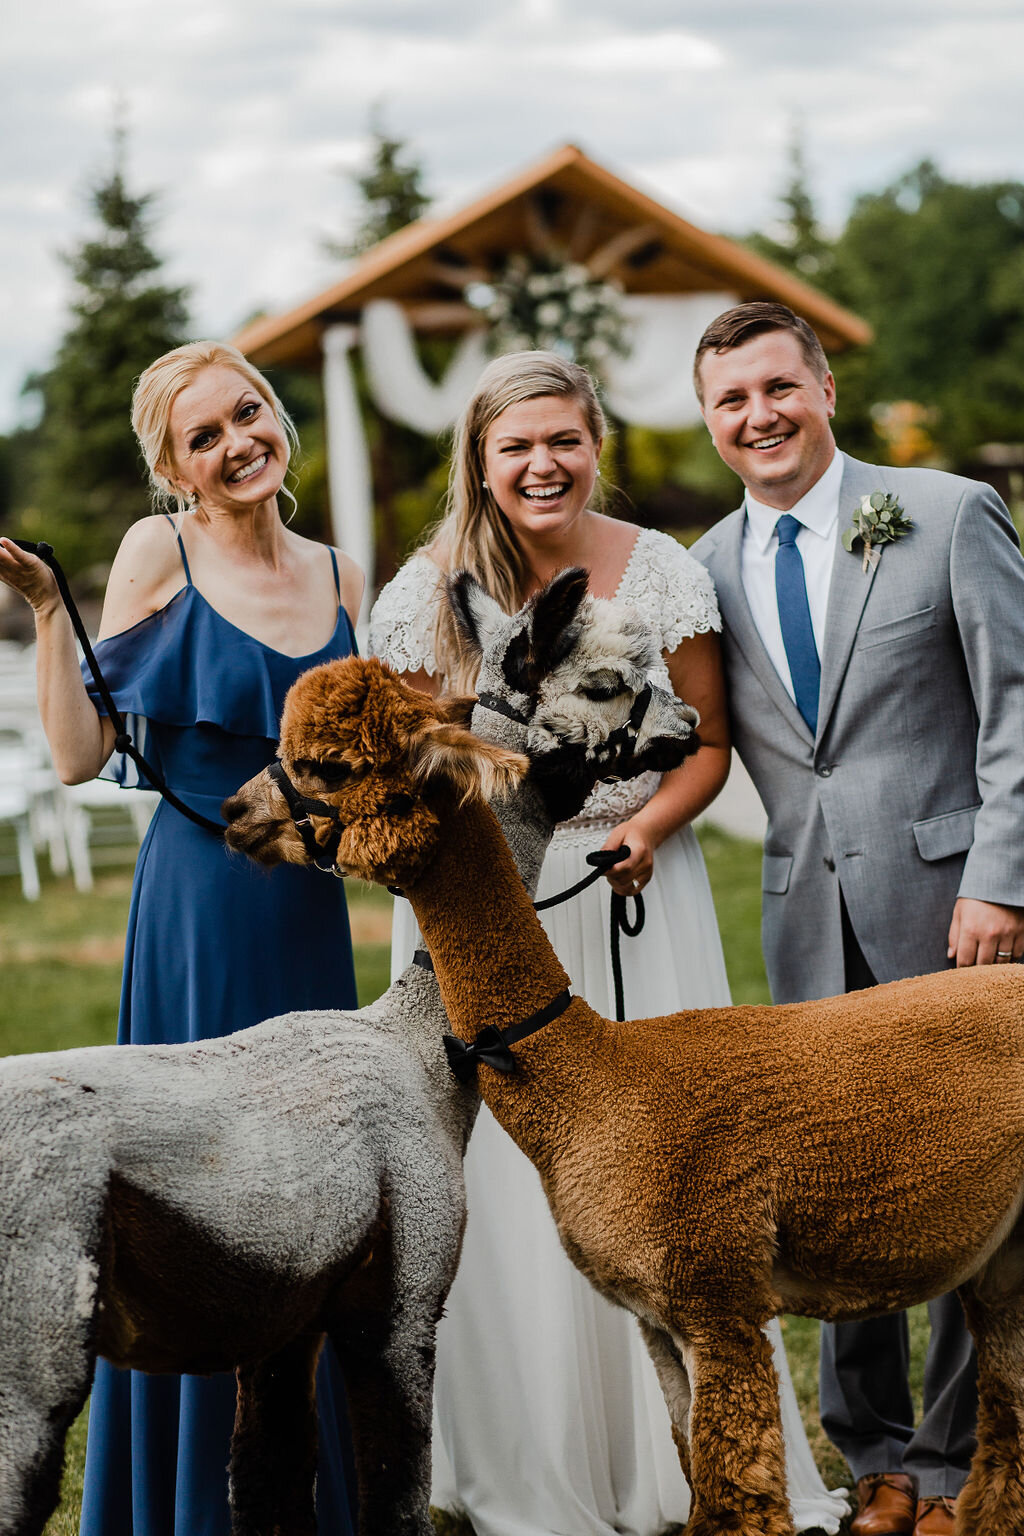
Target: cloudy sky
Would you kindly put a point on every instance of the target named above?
(244, 116)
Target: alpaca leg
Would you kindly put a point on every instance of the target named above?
(675, 1384)
(385, 1342)
(273, 1447)
(738, 1470)
(992, 1500)
(32, 1436)
(47, 1293)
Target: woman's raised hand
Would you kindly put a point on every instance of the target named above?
(28, 575)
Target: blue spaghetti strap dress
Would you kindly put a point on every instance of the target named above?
(214, 944)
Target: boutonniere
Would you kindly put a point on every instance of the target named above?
(878, 520)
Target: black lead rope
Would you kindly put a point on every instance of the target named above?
(620, 925)
(123, 741)
(603, 860)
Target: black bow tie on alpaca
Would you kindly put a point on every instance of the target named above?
(491, 1045)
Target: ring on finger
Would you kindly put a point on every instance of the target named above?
(1004, 954)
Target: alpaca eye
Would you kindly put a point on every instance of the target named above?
(599, 693)
(400, 805)
(331, 773)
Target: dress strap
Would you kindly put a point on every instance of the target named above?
(337, 578)
(181, 550)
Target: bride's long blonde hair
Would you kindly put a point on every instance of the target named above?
(474, 534)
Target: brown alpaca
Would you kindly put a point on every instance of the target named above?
(708, 1170)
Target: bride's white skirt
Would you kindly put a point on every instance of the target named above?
(549, 1420)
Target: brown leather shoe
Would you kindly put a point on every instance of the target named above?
(885, 1506)
(935, 1517)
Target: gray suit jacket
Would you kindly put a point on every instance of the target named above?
(912, 792)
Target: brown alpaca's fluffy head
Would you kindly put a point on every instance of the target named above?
(356, 738)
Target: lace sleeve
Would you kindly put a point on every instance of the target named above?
(402, 619)
(669, 590)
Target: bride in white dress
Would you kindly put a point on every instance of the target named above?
(549, 1420)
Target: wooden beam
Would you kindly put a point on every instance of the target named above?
(604, 260)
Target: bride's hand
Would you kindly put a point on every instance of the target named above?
(630, 877)
(28, 575)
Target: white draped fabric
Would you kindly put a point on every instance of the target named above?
(401, 389)
(348, 461)
(651, 387)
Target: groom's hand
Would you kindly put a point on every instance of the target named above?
(983, 933)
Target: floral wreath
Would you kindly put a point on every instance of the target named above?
(553, 305)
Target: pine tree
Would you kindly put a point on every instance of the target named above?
(87, 478)
(392, 193)
(800, 245)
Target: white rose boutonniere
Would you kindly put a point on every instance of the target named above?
(878, 520)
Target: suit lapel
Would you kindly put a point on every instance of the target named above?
(848, 589)
(744, 631)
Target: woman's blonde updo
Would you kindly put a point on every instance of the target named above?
(474, 534)
(158, 388)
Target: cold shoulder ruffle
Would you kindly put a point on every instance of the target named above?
(201, 697)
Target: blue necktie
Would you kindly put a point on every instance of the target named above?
(795, 618)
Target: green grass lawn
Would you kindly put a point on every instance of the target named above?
(60, 959)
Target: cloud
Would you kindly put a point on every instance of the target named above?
(245, 116)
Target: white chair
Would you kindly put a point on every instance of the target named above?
(17, 767)
(85, 821)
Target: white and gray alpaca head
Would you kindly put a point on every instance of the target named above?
(571, 668)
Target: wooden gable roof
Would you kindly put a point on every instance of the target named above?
(566, 202)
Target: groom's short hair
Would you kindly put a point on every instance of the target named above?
(745, 321)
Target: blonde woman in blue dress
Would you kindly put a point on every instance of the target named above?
(209, 617)
(549, 1418)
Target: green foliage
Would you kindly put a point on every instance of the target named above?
(392, 192)
(799, 243)
(937, 267)
(86, 479)
(674, 480)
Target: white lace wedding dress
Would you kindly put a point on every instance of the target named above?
(548, 1414)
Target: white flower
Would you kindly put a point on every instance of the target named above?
(549, 314)
(538, 285)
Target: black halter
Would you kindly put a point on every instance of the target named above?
(619, 743)
(622, 741)
(499, 706)
(321, 855)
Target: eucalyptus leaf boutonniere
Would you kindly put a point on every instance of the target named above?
(878, 520)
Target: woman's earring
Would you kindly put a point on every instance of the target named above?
(193, 501)
(485, 485)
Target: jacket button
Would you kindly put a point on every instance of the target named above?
(830, 864)
(825, 770)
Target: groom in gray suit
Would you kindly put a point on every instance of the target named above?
(877, 700)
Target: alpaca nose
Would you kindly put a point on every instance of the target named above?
(233, 808)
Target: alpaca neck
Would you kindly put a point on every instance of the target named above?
(493, 960)
(527, 829)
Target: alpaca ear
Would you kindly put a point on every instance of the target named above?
(555, 626)
(474, 610)
(457, 709)
(471, 766)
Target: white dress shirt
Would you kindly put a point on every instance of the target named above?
(818, 512)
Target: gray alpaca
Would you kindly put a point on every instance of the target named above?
(222, 1205)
